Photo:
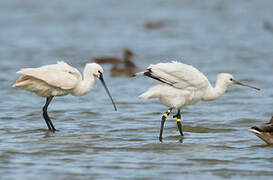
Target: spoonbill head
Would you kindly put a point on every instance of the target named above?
(59, 80)
(179, 85)
(227, 79)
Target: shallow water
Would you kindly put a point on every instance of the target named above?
(94, 141)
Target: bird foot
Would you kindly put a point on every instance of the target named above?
(53, 130)
(160, 139)
(181, 139)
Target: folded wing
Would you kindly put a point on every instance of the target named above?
(178, 75)
(59, 75)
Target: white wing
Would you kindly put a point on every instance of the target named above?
(59, 75)
(178, 75)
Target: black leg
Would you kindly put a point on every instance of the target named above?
(47, 119)
(164, 117)
(178, 121)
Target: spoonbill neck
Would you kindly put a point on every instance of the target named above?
(213, 93)
(86, 84)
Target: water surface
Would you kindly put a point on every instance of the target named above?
(94, 141)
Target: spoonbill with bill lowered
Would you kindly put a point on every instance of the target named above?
(59, 80)
(179, 85)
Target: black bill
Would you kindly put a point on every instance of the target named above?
(104, 85)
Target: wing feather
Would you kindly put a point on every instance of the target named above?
(59, 75)
(179, 75)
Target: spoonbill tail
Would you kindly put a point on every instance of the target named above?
(265, 132)
(179, 85)
(59, 80)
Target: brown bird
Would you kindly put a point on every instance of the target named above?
(268, 26)
(265, 132)
(154, 25)
(121, 67)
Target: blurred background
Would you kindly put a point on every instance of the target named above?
(94, 141)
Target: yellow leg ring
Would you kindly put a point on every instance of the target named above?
(165, 115)
(178, 120)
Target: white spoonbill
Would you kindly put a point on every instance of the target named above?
(179, 85)
(59, 80)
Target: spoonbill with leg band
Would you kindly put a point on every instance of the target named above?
(179, 85)
(59, 80)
